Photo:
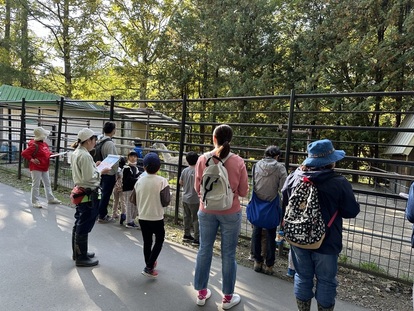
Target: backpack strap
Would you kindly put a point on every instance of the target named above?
(210, 155)
(253, 170)
(332, 219)
(35, 152)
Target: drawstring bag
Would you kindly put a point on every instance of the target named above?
(264, 214)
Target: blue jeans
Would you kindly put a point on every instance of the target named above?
(324, 267)
(229, 228)
(107, 185)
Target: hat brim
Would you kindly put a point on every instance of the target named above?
(321, 162)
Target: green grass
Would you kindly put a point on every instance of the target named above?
(372, 266)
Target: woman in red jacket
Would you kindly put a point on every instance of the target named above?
(38, 155)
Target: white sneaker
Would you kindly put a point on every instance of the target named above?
(201, 300)
(54, 201)
(227, 304)
(37, 205)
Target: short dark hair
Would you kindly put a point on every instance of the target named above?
(272, 151)
(191, 158)
(109, 127)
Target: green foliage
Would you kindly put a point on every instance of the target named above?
(371, 266)
(344, 259)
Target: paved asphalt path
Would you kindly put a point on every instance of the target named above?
(37, 272)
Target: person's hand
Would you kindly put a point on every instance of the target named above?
(35, 161)
(98, 162)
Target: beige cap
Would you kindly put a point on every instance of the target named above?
(85, 134)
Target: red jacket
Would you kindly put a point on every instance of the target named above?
(43, 155)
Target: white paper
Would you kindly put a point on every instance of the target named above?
(403, 195)
(108, 162)
(58, 154)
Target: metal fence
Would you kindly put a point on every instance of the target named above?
(377, 240)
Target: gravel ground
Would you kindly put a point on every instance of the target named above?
(375, 293)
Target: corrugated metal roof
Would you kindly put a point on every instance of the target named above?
(149, 116)
(403, 142)
(14, 93)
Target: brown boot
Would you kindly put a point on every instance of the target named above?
(320, 308)
(258, 266)
(303, 305)
(268, 270)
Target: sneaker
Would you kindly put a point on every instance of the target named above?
(115, 216)
(291, 273)
(258, 266)
(54, 201)
(201, 299)
(37, 205)
(188, 238)
(227, 304)
(105, 220)
(132, 225)
(195, 242)
(151, 273)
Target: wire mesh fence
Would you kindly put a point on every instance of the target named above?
(378, 163)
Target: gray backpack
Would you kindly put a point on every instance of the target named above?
(215, 187)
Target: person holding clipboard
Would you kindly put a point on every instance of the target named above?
(86, 178)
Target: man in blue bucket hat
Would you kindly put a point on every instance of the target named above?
(335, 197)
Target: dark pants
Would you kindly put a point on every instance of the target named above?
(270, 245)
(148, 228)
(107, 185)
(85, 215)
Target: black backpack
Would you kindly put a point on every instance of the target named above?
(96, 152)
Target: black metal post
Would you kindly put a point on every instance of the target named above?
(22, 137)
(180, 158)
(62, 102)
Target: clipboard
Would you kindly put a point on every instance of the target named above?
(108, 162)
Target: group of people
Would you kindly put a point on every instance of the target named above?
(150, 193)
(335, 194)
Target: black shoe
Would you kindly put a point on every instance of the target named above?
(188, 238)
(89, 254)
(195, 242)
(86, 262)
(122, 218)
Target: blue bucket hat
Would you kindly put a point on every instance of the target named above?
(322, 153)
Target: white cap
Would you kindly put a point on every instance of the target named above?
(85, 134)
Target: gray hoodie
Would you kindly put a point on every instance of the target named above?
(269, 177)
